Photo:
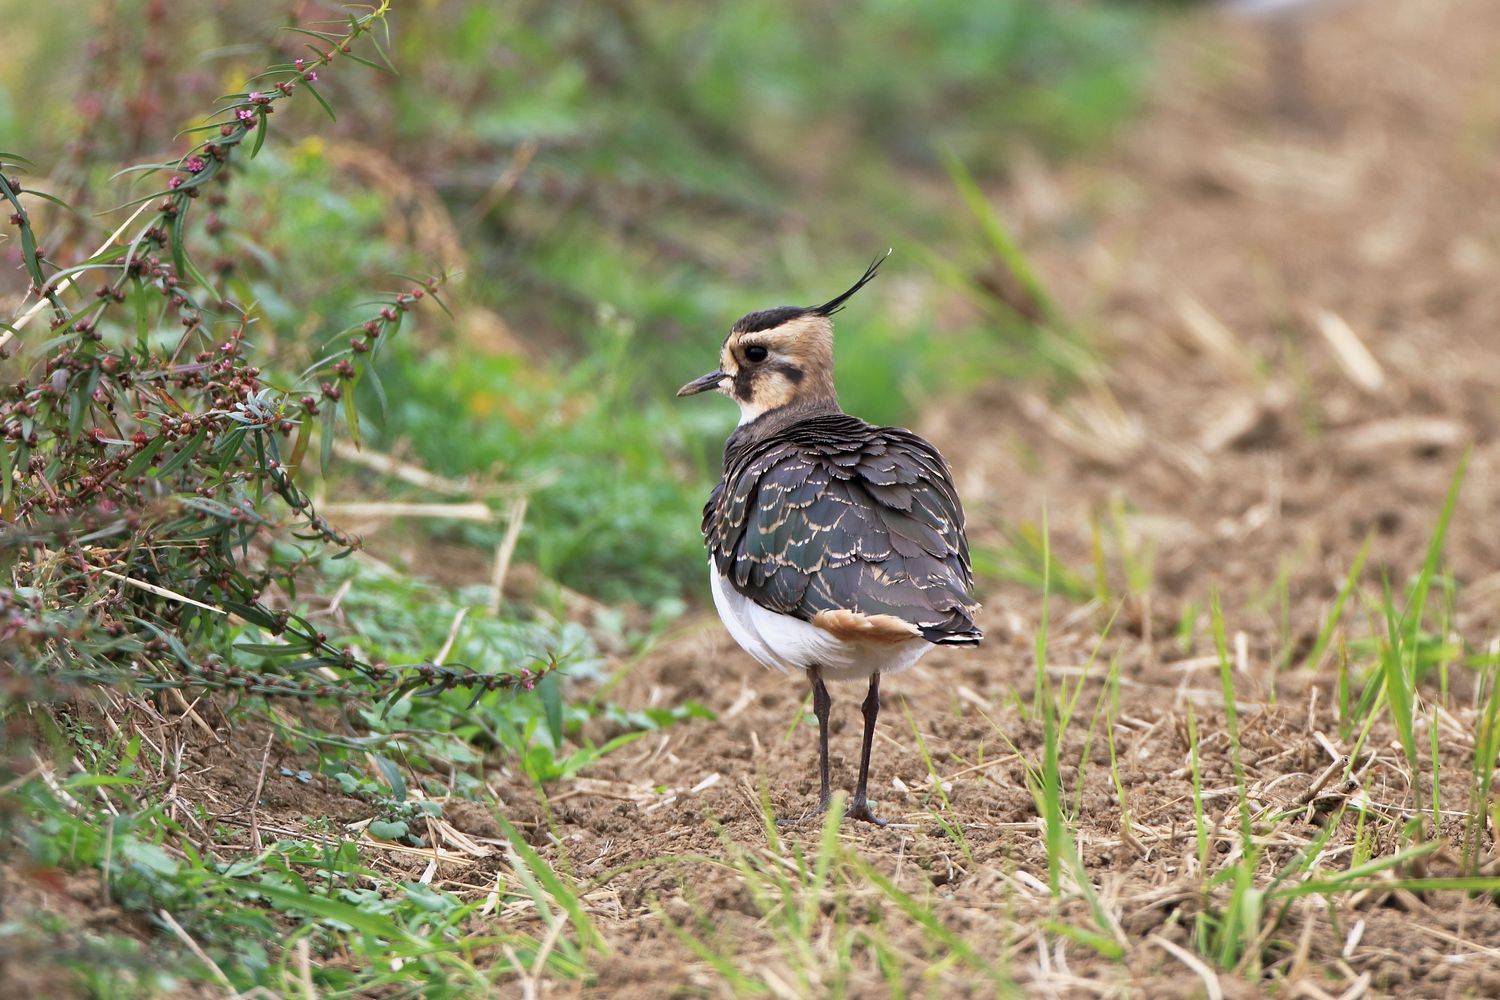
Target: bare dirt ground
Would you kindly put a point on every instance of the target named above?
(1299, 322)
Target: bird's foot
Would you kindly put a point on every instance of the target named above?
(787, 822)
(824, 801)
(860, 810)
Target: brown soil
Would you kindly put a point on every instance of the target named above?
(1208, 252)
(1223, 258)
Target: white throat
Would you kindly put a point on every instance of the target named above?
(749, 411)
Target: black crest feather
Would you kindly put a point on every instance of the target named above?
(835, 304)
(767, 319)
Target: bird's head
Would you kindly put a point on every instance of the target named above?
(779, 357)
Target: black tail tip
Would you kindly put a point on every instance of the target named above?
(939, 636)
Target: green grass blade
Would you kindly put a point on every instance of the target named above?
(1335, 614)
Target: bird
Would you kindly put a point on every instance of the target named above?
(836, 547)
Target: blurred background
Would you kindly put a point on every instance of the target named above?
(616, 182)
(1115, 224)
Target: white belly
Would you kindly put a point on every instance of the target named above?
(786, 643)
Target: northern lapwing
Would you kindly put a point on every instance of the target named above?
(836, 547)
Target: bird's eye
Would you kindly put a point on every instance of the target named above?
(756, 353)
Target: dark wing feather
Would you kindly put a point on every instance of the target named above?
(832, 513)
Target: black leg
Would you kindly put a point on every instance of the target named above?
(821, 704)
(859, 806)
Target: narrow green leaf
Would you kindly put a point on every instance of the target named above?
(926, 917)
(1414, 611)
(54, 199)
(28, 257)
(296, 647)
(325, 437)
(327, 108)
(79, 781)
(98, 262)
(1102, 943)
(393, 777)
(1231, 716)
(1005, 248)
(260, 134)
(366, 921)
(351, 413)
(78, 403)
(198, 276)
(252, 613)
(142, 459)
(179, 237)
(433, 295)
(5, 476)
(325, 36)
(378, 387)
(385, 59)
(183, 456)
(550, 690)
(299, 446)
(535, 866)
(144, 168)
(367, 62)
(1335, 614)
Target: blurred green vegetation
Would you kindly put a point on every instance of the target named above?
(618, 181)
